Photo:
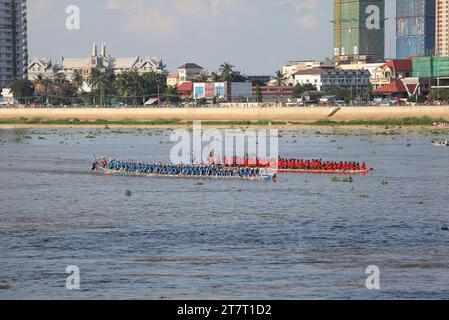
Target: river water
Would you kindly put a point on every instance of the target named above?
(304, 237)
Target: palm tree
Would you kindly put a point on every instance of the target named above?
(23, 89)
(77, 80)
(215, 77)
(99, 81)
(227, 71)
(280, 78)
(123, 85)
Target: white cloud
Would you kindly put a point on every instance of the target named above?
(300, 5)
(202, 7)
(41, 7)
(152, 22)
(307, 11)
(114, 4)
(190, 6)
(308, 21)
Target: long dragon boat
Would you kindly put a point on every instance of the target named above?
(196, 172)
(355, 170)
(336, 172)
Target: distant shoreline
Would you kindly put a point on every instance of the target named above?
(345, 117)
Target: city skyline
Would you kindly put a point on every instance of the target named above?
(257, 39)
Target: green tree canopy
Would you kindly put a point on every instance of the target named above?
(22, 89)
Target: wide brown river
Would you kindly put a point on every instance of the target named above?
(302, 237)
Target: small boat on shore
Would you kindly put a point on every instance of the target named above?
(440, 143)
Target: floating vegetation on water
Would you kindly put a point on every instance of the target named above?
(128, 193)
(420, 202)
(364, 196)
(409, 145)
(18, 140)
(336, 179)
(390, 133)
(41, 138)
(90, 137)
(348, 180)
(424, 121)
(200, 184)
(340, 148)
(385, 183)
(118, 132)
(333, 141)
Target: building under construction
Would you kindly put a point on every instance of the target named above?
(359, 30)
(415, 28)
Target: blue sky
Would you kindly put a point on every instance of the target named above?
(257, 36)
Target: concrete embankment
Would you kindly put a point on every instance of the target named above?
(303, 115)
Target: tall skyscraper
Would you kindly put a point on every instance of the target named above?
(359, 30)
(13, 40)
(415, 32)
(442, 28)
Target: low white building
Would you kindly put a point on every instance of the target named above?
(313, 76)
(324, 79)
(43, 67)
(291, 67)
(7, 97)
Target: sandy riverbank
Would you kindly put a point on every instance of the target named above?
(303, 115)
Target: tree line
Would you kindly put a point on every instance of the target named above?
(102, 89)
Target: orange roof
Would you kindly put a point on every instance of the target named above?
(185, 87)
(393, 87)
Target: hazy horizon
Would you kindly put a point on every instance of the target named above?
(258, 37)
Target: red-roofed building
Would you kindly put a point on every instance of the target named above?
(185, 90)
(395, 88)
(391, 71)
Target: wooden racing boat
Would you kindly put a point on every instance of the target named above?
(337, 172)
(264, 176)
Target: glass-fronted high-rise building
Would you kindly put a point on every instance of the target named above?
(359, 30)
(13, 40)
(415, 32)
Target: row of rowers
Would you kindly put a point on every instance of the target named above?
(185, 170)
(283, 163)
(319, 164)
